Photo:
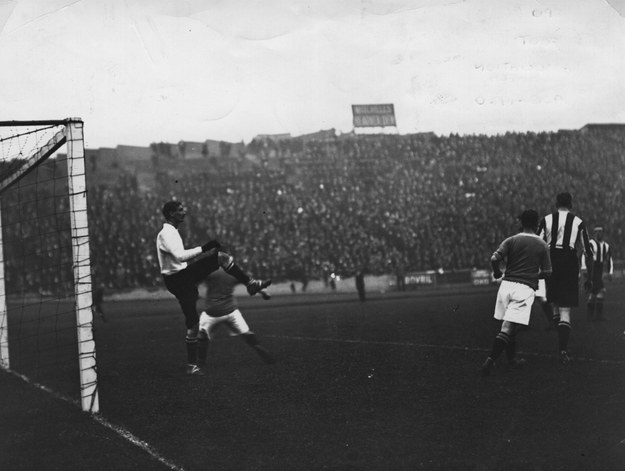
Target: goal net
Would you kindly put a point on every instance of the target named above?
(46, 321)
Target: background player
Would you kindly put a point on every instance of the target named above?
(98, 299)
(564, 232)
(526, 258)
(601, 260)
(182, 280)
(221, 310)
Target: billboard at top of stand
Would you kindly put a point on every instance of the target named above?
(373, 115)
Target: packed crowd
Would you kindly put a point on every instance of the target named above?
(383, 203)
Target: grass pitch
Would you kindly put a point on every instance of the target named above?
(392, 383)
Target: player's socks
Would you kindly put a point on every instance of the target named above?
(251, 339)
(501, 342)
(564, 331)
(599, 310)
(511, 349)
(590, 309)
(487, 366)
(191, 350)
(234, 270)
(202, 351)
(264, 354)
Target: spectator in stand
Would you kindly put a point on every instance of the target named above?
(358, 190)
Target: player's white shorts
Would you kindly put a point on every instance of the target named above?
(514, 302)
(234, 322)
(541, 292)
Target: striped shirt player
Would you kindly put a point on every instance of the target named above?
(601, 263)
(526, 258)
(564, 232)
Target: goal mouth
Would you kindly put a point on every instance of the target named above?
(24, 145)
(46, 329)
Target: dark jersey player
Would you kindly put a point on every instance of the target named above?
(526, 260)
(222, 312)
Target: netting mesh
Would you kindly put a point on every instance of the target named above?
(37, 245)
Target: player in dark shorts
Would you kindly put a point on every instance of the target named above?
(182, 279)
(565, 233)
(601, 263)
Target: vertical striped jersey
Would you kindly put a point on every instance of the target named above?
(601, 254)
(563, 230)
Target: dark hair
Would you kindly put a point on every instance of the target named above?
(564, 200)
(529, 219)
(170, 207)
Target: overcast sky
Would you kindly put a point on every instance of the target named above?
(142, 71)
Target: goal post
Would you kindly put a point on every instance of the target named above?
(45, 265)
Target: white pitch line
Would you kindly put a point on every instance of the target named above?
(426, 345)
(122, 432)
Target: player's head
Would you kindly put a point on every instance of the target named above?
(598, 232)
(564, 200)
(170, 208)
(529, 219)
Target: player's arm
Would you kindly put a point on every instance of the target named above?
(172, 244)
(542, 225)
(587, 247)
(584, 264)
(499, 257)
(495, 262)
(545, 265)
(610, 262)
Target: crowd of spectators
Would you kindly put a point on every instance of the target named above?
(382, 203)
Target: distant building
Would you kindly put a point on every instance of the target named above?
(322, 135)
(273, 137)
(192, 150)
(133, 153)
(603, 127)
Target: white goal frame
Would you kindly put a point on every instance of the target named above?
(71, 135)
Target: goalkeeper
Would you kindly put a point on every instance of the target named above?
(182, 279)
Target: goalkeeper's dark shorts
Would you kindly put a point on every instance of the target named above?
(184, 285)
(563, 284)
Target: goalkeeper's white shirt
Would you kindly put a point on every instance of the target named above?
(172, 256)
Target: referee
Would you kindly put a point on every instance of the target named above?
(564, 233)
